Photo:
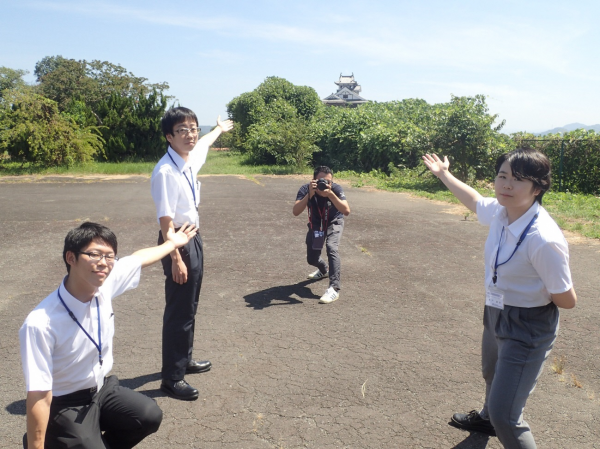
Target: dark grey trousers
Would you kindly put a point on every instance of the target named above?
(516, 343)
(332, 243)
(181, 303)
(77, 420)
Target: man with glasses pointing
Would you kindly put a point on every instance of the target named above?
(176, 194)
(66, 349)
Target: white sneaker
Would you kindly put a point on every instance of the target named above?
(330, 295)
(317, 275)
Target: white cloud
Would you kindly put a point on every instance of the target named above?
(379, 40)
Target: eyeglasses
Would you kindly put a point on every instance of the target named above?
(97, 257)
(186, 131)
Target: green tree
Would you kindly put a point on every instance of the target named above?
(63, 80)
(66, 82)
(275, 106)
(32, 129)
(131, 126)
(11, 79)
(465, 131)
(281, 142)
(267, 100)
(126, 107)
(46, 65)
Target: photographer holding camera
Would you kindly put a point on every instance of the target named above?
(327, 207)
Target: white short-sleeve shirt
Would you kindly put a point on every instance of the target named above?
(174, 185)
(56, 354)
(539, 268)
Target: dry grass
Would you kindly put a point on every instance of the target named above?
(558, 364)
(258, 422)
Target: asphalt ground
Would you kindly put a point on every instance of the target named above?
(385, 366)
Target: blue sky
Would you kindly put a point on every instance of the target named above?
(536, 61)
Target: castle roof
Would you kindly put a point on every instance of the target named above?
(347, 93)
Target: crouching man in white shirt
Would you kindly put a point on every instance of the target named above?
(66, 348)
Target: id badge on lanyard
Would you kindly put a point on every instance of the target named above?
(318, 240)
(318, 237)
(99, 375)
(494, 297)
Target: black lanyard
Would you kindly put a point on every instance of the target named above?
(523, 235)
(97, 345)
(186, 178)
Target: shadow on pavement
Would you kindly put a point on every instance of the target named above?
(17, 408)
(282, 294)
(475, 440)
(137, 382)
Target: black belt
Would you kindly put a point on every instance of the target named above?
(85, 391)
(84, 395)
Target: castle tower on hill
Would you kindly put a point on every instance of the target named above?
(347, 93)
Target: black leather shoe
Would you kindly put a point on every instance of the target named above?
(198, 367)
(179, 390)
(472, 421)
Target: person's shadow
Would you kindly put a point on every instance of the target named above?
(137, 382)
(475, 440)
(17, 408)
(280, 295)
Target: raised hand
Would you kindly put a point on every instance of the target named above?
(435, 164)
(186, 233)
(225, 126)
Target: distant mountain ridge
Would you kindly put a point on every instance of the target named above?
(205, 129)
(570, 127)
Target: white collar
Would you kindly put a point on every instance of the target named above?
(517, 227)
(72, 302)
(179, 162)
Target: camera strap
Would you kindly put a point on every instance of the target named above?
(323, 214)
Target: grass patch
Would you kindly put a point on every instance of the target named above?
(217, 163)
(234, 163)
(90, 168)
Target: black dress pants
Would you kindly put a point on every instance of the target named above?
(181, 303)
(113, 418)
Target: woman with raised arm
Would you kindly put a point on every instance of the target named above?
(527, 277)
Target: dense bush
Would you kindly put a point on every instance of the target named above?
(32, 129)
(131, 126)
(93, 110)
(575, 158)
(274, 122)
(279, 123)
(281, 142)
(382, 135)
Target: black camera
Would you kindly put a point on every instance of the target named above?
(322, 184)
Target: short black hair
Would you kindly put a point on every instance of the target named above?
(83, 235)
(531, 164)
(322, 169)
(174, 116)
